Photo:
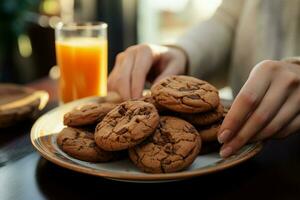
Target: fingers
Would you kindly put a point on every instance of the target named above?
(124, 74)
(283, 85)
(264, 113)
(126, 69)
(120, 78)
(132, 66)
(142, 65)
(111, 81)
(285, 115)
(246, 101)
(291, 128)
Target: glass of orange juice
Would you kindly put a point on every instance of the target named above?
(81, 52)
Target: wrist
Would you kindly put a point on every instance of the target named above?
(184, 56)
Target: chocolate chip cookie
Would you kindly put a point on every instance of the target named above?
(80, 144)
(87, 114)
(126, 125)
(205, 118)
(209, 133)
(185, 94)
(149, 99)
(173, 147)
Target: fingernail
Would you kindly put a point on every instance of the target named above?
(224, 136)
(226, 152)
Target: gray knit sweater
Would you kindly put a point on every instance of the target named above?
(239, 35)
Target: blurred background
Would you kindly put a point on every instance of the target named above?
(27, 49)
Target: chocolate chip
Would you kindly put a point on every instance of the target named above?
(111, 123)
(142, 111)
(122, 110)
(122, 131)
(189, 129)
(163, 138)
(64, 140)
(168, 148)
(147, 112)
(77, 134)
(185, 89)
(164, 84)
(193, 96)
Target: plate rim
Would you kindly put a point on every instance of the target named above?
(137, 177)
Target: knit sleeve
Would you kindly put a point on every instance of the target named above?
(208, 44)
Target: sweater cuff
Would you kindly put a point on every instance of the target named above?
(187, 63)
(294, 60)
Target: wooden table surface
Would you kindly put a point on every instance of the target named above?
(24, 174)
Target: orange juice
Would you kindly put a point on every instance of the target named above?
(83, 67)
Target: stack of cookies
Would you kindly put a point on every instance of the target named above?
(195, 101)
(162, 132)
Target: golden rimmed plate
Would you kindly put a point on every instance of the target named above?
(44, 133)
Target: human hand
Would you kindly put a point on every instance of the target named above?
(267, 106)
(134, 64)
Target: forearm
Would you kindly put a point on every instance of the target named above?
(208, 45)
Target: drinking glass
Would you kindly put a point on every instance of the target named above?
(81, 52)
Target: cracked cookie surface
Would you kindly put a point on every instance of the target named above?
(205, 118)
(173, 147)
(185, 94)
(87, 114)
(149, 99)
(80, 144)
(126, 125)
